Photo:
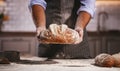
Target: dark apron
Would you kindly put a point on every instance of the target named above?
(64, 12)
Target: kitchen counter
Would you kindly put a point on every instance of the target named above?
(104, 33)
(117, 33)
(26, 42)
(61, 65)
(5, 34)
(104, 42)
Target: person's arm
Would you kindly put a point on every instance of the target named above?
(39, 18)
(85, 13)
(82, 20)
(38, 13)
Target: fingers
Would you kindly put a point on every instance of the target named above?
(38, 31)
(77, 42)
(80, 32)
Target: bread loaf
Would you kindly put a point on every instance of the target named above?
(116, 59)
(4, 60)
(104, 60)
(59, 34)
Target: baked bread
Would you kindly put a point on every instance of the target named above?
(104, 60)
(116, 59)
(4, 60)
(59, 34)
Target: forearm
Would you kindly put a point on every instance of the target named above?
(38, 16)
(82, 20)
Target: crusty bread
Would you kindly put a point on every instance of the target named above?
(117, 59)
(104, 60)
(59, 34)
(4, 60)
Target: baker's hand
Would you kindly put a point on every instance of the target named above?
(38, 31)
(80, 32)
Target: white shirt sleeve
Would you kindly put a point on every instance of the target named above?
(88, 6)
(38, 2)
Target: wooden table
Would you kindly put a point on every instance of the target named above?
(35, 64)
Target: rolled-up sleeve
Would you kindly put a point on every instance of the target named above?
(88, 6)
(38, 2)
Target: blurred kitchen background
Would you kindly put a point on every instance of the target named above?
(17, 30)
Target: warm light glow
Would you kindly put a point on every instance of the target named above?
(2, 3)
(108, 2)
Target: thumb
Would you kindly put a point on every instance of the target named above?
(80, 33)
(39, 29)
(37, 32)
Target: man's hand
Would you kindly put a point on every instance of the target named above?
(80, 32)
(81, 23)
(38, 14)
(38, 30)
